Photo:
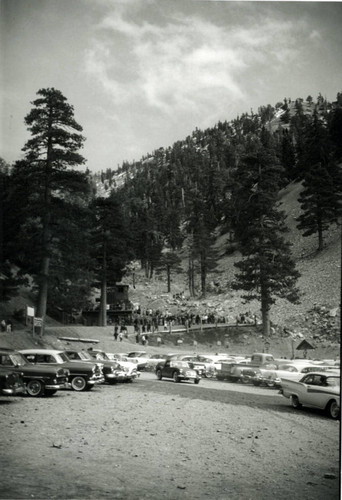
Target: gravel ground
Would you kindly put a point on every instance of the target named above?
(156, 439)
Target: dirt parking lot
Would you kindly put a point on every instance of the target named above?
(156, 439)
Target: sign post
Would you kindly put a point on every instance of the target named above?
(37, 322)
(30, 314)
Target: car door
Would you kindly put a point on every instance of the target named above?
(167, 369)
(315, 391)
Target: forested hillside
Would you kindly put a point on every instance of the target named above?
(207, 209)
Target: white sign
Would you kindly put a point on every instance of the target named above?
(38, 321)
(30, 311)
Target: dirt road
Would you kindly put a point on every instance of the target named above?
(156, 439)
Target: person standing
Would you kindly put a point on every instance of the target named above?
(116, 332)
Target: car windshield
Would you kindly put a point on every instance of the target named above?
(179, 364)
(15, 359)
(61, 357)
(289, 368)
(85, 356)
(101, 356)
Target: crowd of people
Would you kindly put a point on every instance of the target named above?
(149, 321)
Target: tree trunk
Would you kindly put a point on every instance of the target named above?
(168, 270)
(320, 237)
(44, 272)
(103, 300)
(265, 312)
(43, 290)
(203, 274)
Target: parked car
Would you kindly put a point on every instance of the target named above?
(245, 370)
(109, 372)
(38, 380)
(82, 376)
(177, 370)
(317, 390)
(141, 357)
(201, 367)
(153, 360)
(11, 382)
(112, 370)
(128, 366)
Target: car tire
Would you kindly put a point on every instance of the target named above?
(79, 383)
(50, 392)
(333, 410)
(159, 374)
(295, 402)
(35, 388)
(175, 377)
(197, 380)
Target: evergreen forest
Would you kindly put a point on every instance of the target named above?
(65, 230)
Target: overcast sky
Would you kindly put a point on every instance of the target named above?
(142, 74)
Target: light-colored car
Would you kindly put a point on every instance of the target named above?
(128, 366)
(317, 390)
(141, 358)
(153, 360)
(273, 377)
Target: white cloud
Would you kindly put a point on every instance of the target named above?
(172, 65)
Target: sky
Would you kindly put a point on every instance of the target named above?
(143, 74)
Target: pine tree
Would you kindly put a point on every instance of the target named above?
(322, 186)
(267, 269)
(48, 186)
(111, 246)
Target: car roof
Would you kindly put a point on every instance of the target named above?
(40, 351)
(7, 349)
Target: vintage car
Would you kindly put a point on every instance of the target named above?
(153, 360)
(39, 380)
(129, 367)
(11, 382)
(203, 368)
(112, 370)
(177, 370)
(140, 357)
(82, 376)
(291, 371)
(317, 390)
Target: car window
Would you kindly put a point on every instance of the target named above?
(318, 380)
(308, 379)
(72, 355)
(45, 358)
(5, 360)
(30, 357)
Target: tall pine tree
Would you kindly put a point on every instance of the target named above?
(267, 270)
(321, 196)
(49, 187)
